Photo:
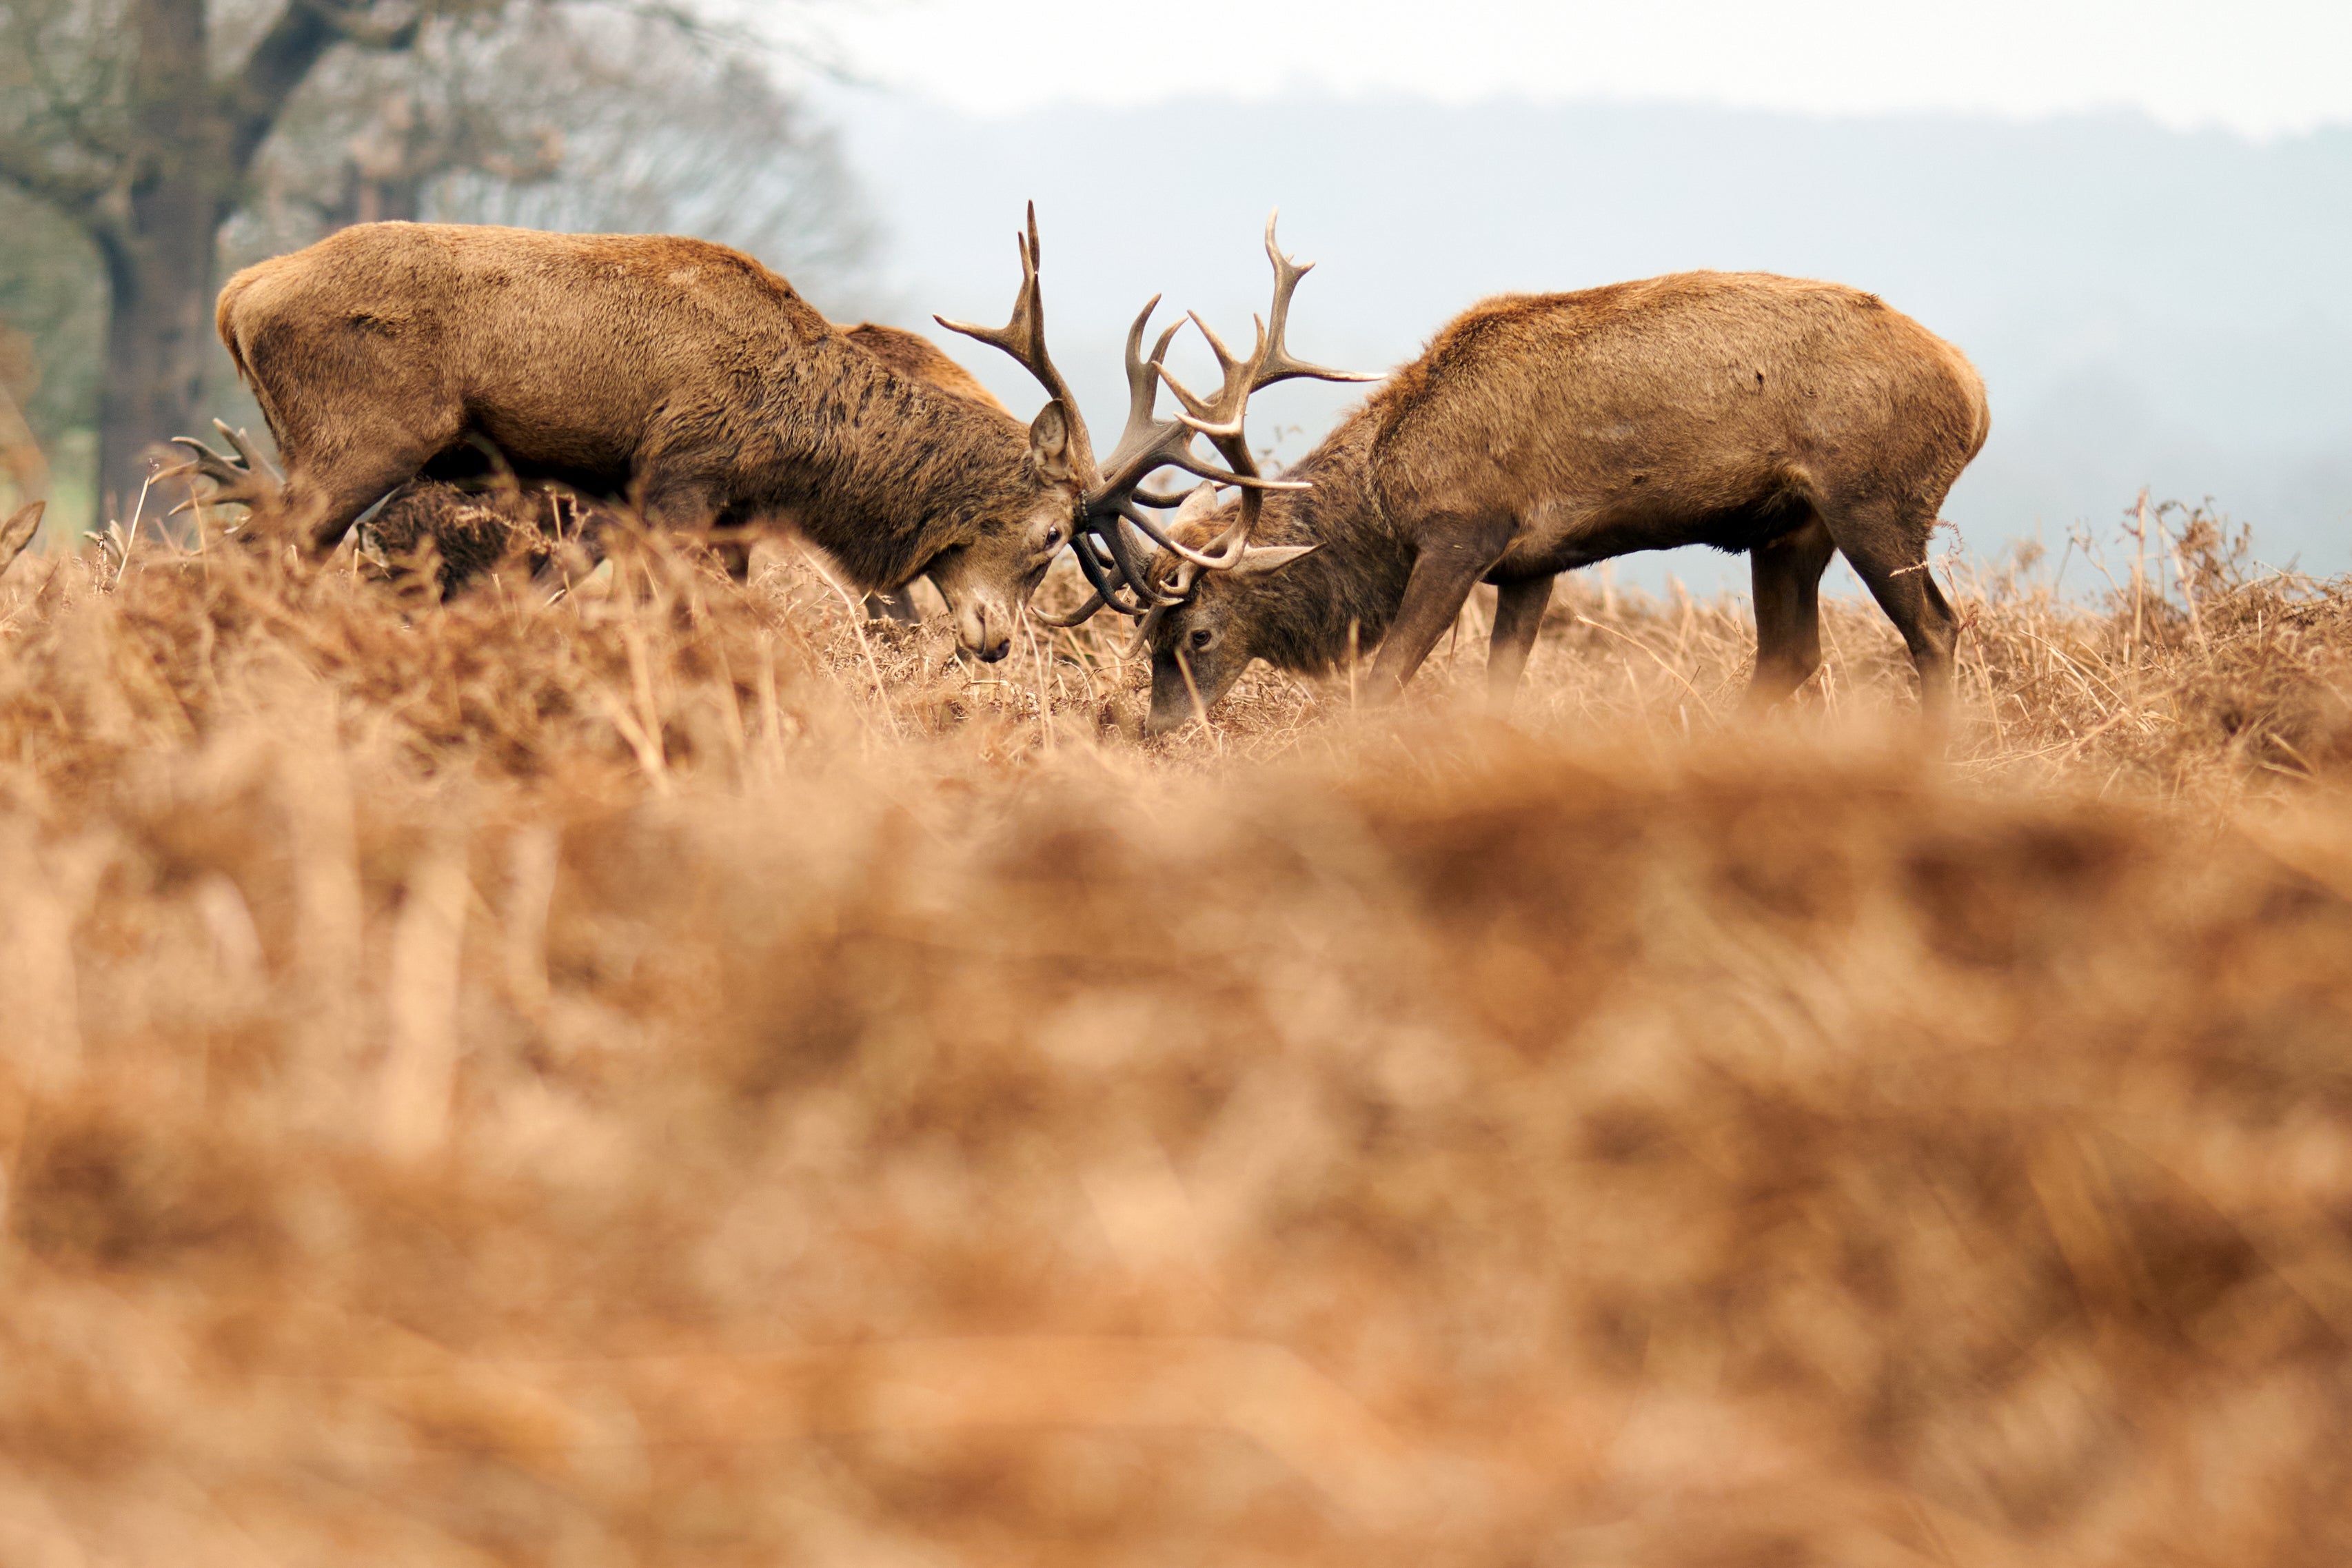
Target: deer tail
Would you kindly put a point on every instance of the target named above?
(223, 322)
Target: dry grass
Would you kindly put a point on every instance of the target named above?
(678, 1075)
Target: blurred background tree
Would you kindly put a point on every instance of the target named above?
(147, 145)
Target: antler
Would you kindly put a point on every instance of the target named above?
(1220, 418)
(1023, 338)
(1111, 497)
(1150, 443)
(1269, 360)
(247, 479)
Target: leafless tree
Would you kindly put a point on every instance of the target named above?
(649, 130)
(156, 127)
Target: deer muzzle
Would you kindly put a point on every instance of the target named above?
(1184, 689)
(984, 629)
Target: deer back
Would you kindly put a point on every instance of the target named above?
(1674, 396)
(912, 354)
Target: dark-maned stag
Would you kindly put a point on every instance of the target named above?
(479, 522)
(676, 374)
(1540, 433)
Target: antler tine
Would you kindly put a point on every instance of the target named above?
(1023, 338)
(1142, 444)
(1078, 617)
(1142, 375)
(1278, 366)
(1150, 443)
(1186, 575)
(1220, 418)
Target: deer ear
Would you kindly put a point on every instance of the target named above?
(1049, 440)
(1259, 559)
(19, 532)
(1198, 508)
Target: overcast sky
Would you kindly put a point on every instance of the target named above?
(2258, 67)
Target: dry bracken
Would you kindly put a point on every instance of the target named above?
(681, 1074)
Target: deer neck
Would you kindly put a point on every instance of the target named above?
(1305, 617)
(883, 470)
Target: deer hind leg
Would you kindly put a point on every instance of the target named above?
(1451, 563)
(1518, 615)
(1886, 544)
(1788, 577)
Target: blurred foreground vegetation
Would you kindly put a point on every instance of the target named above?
(678, 1074)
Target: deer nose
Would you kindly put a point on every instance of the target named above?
(990, 655)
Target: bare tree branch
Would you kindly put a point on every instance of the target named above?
(278, 64)
(25, 165)
(364, 31)
(283, 59)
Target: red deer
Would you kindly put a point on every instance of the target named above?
(1788, 419)
(475, 525)
(678, 374)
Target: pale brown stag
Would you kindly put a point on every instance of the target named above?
(1789, 419)
(678, 374)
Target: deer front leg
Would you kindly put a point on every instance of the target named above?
(1454, 558)
(681, 500)
(1518, 615)
(896, 605)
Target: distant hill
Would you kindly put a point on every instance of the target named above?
(2147, 306)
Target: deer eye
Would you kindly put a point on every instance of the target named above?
(1202, 637)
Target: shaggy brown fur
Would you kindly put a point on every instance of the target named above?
(912, 354)
(675, 372)
(1540, 433)
(473, 527)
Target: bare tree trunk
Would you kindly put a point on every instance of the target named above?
(157, 320)
(160, 255)
(153, 190)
